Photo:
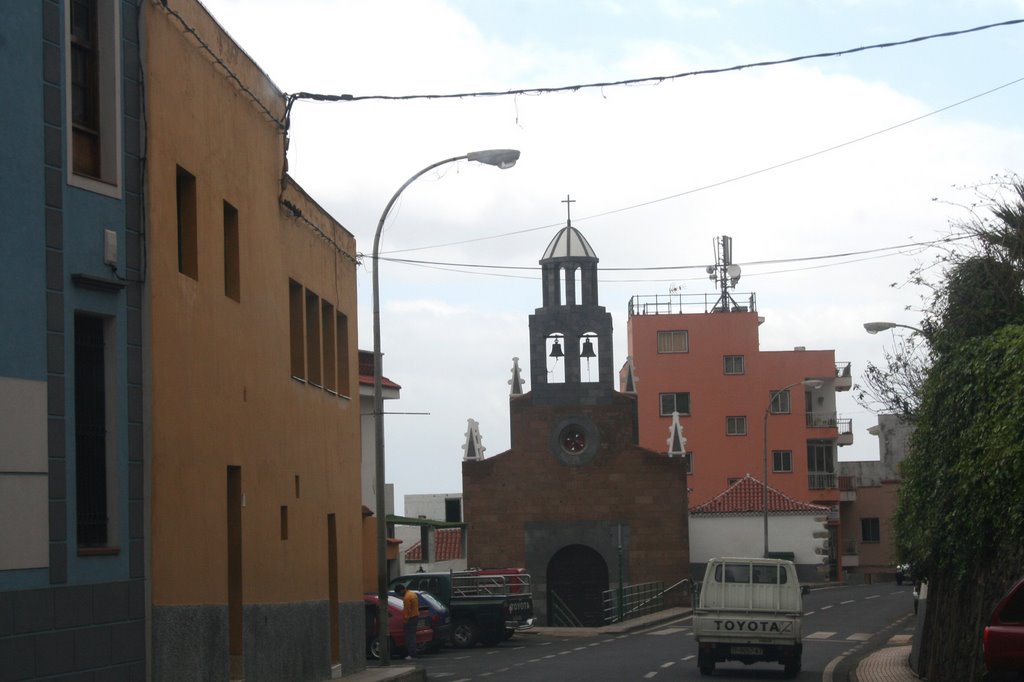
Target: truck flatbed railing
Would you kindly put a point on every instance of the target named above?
(513, 585)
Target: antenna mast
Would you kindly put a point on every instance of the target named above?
(725, 274)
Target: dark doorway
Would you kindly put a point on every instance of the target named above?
(234, 549)
(577, 578)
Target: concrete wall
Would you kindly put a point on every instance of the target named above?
(525, 504)
(714, 395)
(67, 609)
(223, 393)
(743, 536)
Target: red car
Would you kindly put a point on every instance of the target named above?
(396, 634)
(1003, 640)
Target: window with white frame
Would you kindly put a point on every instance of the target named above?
(93, 67)
(674, 402)
(676, 341)
(734, 364)
(782, 461)
(736, 426)
(780, 402)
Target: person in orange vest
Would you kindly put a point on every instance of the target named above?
(410, 618)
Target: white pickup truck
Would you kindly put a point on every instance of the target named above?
(749, 610)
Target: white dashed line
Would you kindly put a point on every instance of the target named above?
(668, 665)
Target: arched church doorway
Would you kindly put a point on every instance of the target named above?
(577, 576)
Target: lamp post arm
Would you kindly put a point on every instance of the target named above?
(378, 426)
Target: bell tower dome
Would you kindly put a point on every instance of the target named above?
(570, 334)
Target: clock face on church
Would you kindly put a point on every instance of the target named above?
(574, 441)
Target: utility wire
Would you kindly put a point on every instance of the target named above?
(778, 261)
(719, 183)
(648, 79)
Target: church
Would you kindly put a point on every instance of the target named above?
(575, 500)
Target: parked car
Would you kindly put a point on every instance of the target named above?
(440, 619)
(1003, 638)
(396, 633)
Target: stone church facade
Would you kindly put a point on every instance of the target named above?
(575, 500)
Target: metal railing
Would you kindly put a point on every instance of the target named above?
(821, 420)
(561, 615)
(842, 369)
(821, 480)
(675, 304)
(845, 425)
(637, 600)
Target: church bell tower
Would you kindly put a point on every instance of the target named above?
(571, 334)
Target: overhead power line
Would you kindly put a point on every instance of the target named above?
(725, 181)
(879, 252)
(647, 79)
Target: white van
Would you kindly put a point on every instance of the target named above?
(749, 610)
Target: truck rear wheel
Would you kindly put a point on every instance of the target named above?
(705, 663)
(464, 633)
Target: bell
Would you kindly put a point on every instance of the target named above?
(588, 349)
(556, 350)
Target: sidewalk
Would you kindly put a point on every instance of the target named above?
(889, 664)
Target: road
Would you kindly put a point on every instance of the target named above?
(840, 625)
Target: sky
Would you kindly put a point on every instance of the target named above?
(849, 154)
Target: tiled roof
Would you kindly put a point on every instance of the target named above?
(366, 371)
(449, 546)
(746, 496)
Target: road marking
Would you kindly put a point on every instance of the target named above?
(809, 613)
(826, 675)
(689, 658)
(563, 653)
(897, 640)
(819, 635)
(859, 637)
(668, 665)
(848, 601)
(650, 675)
(668, 631)
(600, 643)
(826, 608)
(580, 648)
(874, 596)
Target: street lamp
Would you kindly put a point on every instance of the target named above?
(809, 383)
(875, 327)
(502, 158)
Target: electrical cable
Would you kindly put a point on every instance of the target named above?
(648, 79)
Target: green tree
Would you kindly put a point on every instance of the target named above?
(960, 514)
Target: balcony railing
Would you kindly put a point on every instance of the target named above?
(821, 420)
(844, 379)
(821, 480)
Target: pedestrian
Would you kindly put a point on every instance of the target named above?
(410, 618)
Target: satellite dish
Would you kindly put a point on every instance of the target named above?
(733, 271)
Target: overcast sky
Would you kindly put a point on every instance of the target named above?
(824, 156)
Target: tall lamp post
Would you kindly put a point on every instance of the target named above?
(502, 158)
(809, 383)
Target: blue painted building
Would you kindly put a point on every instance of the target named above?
(72, 483)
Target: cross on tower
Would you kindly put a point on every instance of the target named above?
(568, 209)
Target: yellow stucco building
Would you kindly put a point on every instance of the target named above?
(256, 541)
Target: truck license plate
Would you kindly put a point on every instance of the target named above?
(747, 650)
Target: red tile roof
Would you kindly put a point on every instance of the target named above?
(746, 496)
(366, 371)
(449, 546)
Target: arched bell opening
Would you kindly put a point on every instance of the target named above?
(590, 354)
(555, 354)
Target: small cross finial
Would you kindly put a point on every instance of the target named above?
(568, 209)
